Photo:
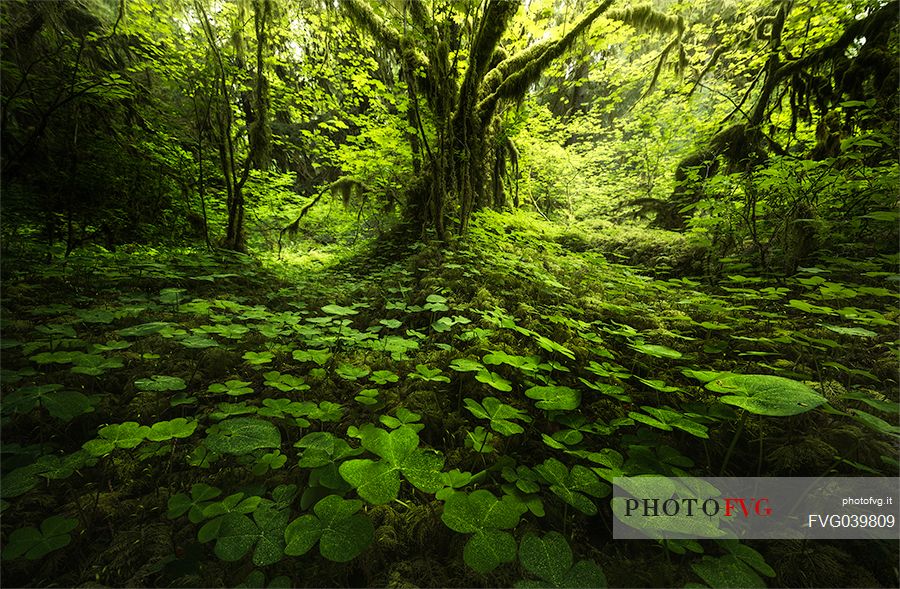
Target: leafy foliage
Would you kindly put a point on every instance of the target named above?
(359, 372)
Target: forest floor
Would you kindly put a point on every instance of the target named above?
(167, 413)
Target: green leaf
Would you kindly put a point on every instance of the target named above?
(324, 448)
(428, 374)
(498, 413)
(320, 357)
(552, 346)
(198, 342)
(494, 380)
(878, 404)
(488, 549)
(235, 388)
(122, 435)
(479, 440)
(748, 556)
(554, 397)
(66, 405)
(405, 418)
(522, 362)
(271, 523)
(351, 372)
(193, 505)
(727, 571)
(466, 365)
(34, 544)
(95, 365)
(853, 331)
(479, 510)
(175, 428)
(339, 310)
(236, 535)
(161, 383)
(657, 351)
(550, 558)
(284, 382)
(572, 487)
(258, 358)
(382, 377)
(342, 534)
(379, 482)
(242, 435)
(144, 329)
(766, 395)
(875, 423)
(482, 514)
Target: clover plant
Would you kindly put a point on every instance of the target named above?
(379, 481)
(342, 533)
(550, 559)
(480, 513)
(33, 543)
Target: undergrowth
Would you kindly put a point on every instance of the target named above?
(423, 413)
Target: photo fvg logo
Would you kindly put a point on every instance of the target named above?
(746, 507)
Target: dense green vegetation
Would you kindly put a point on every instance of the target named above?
(359, 293)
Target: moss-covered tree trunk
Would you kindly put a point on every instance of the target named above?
(464, 99)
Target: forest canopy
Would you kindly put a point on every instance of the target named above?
(430, 111)
(391, 292)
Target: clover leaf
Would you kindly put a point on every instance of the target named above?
(351, 372)
(479, 440)
(64, 405)
(193, 505)
(269, 461)
(367, 397)
(284, 382)
(554, 397)
(160, 383)
(117, 435)
(482, 514)
(175, 428)
(383, 377)
(436, 303)
(258, 358)
(143, 329)
(499, 415)
(235, 388)
(95, 364)
(198, 342)
(34, 544)
(427, 374)
(550, 558)
(572, 487)
(665, 419)
(320, 357)
(405, 418)
(379, 481)
(526, 363)
(235, 533)
(342, 534)
(242, 435)
(727, 571)
(324, 448)
(327, 411)
(494, 380)
(339, 310)
(271, 524)
(466, 365)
